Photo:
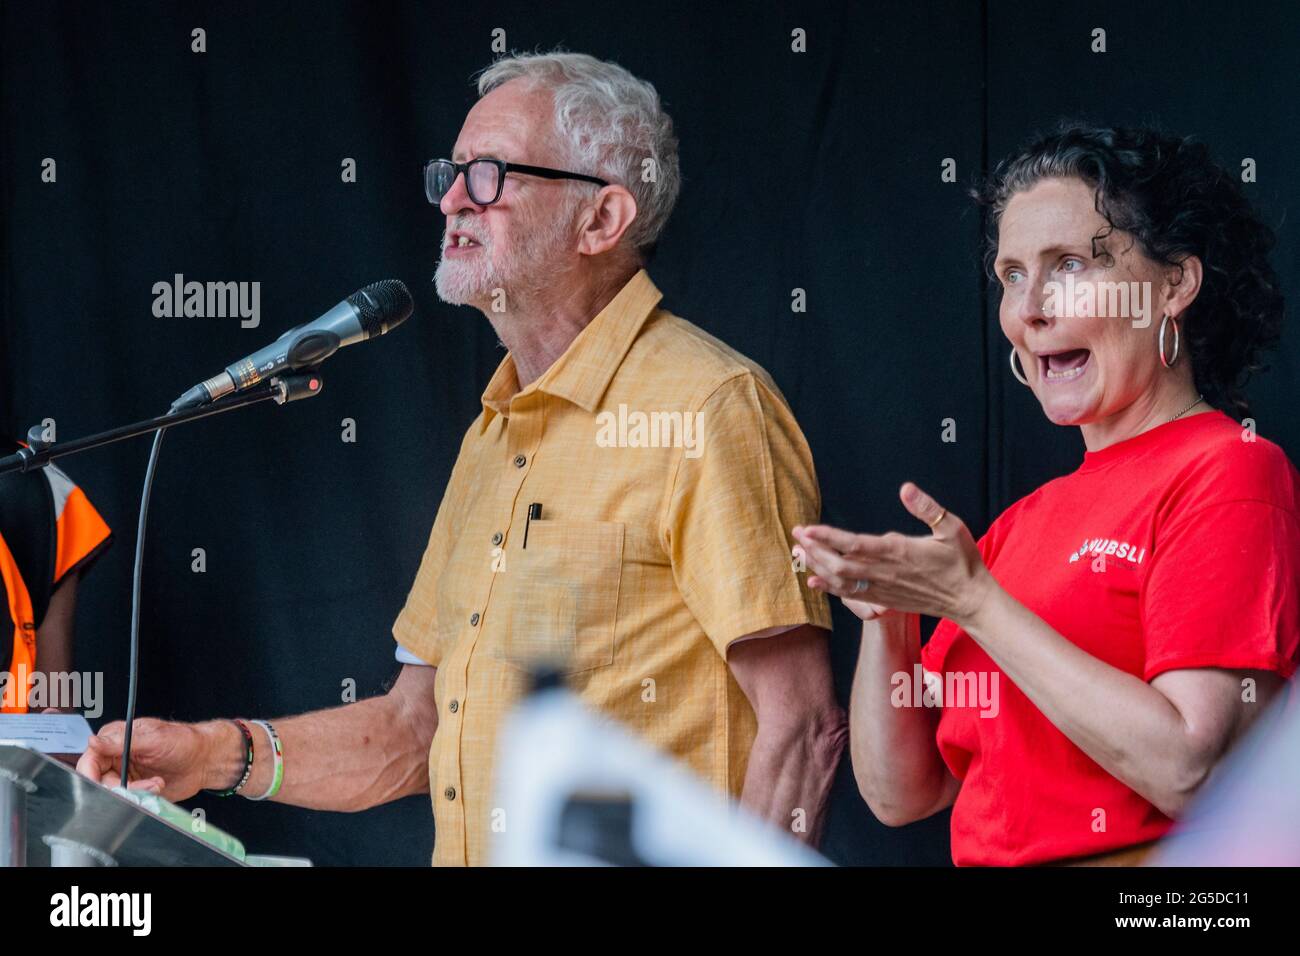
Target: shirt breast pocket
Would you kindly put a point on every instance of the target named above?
(562, 597)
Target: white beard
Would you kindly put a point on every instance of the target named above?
(521, 272)
(460, 283)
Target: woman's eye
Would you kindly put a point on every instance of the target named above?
(1072, 265)
(1012, 276)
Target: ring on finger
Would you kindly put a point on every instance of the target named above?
(860, 585)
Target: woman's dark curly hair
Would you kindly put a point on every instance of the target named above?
(1168, 194)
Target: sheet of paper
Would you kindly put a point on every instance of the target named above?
(47, 733)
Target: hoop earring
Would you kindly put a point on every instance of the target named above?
(1168, 362)
(1020, 376)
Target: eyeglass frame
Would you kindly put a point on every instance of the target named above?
(503, 167)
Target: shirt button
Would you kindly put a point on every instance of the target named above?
(454, 706)
(520, 460)
(450, 793)
(498, 538)
(473, 619)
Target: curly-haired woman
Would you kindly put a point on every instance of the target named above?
(1124, 623)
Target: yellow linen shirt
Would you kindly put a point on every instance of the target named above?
(669, 470)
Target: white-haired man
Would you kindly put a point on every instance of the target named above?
(620, 510)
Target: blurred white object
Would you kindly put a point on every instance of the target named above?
(576, 789)
(1249, 815)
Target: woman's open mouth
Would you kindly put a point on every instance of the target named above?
(1063, 366)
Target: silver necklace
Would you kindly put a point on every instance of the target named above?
(1199, 399)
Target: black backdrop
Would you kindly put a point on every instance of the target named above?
(818, 171)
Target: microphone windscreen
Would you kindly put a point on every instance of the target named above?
(382, 305)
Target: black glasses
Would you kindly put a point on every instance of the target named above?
(486, 178)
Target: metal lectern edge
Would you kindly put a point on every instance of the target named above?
(45, 797)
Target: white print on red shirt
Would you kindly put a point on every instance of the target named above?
(1120, 550)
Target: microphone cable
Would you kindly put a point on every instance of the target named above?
(136, 575)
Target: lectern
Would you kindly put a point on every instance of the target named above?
(52, 816)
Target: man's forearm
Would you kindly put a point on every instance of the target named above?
(791, 769)
(345, 758)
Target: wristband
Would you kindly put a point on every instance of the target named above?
(277, 752)
(248, 760)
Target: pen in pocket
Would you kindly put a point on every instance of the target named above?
(534, 511)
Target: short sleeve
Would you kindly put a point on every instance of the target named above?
(934, 650)
(51, 529)
(731, 507)
(416, 627)
(82, 533)
(1221, 591)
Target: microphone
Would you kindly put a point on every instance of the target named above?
(366, 314)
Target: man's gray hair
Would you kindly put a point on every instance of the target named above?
(613, 126)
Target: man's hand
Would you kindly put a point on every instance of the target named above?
(166, 758)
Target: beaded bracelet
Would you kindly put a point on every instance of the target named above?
(248, 760)
(277, 752)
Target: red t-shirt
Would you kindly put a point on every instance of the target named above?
(1177, 548)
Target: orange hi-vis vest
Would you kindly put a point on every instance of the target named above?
(13, 699)
(46, 532)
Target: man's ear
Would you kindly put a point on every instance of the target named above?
(606, 220)
(1183, 282)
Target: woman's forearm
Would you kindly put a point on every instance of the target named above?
(895, 759)
(1123, 723)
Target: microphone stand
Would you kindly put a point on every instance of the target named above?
(281, 389)
(302, 383)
